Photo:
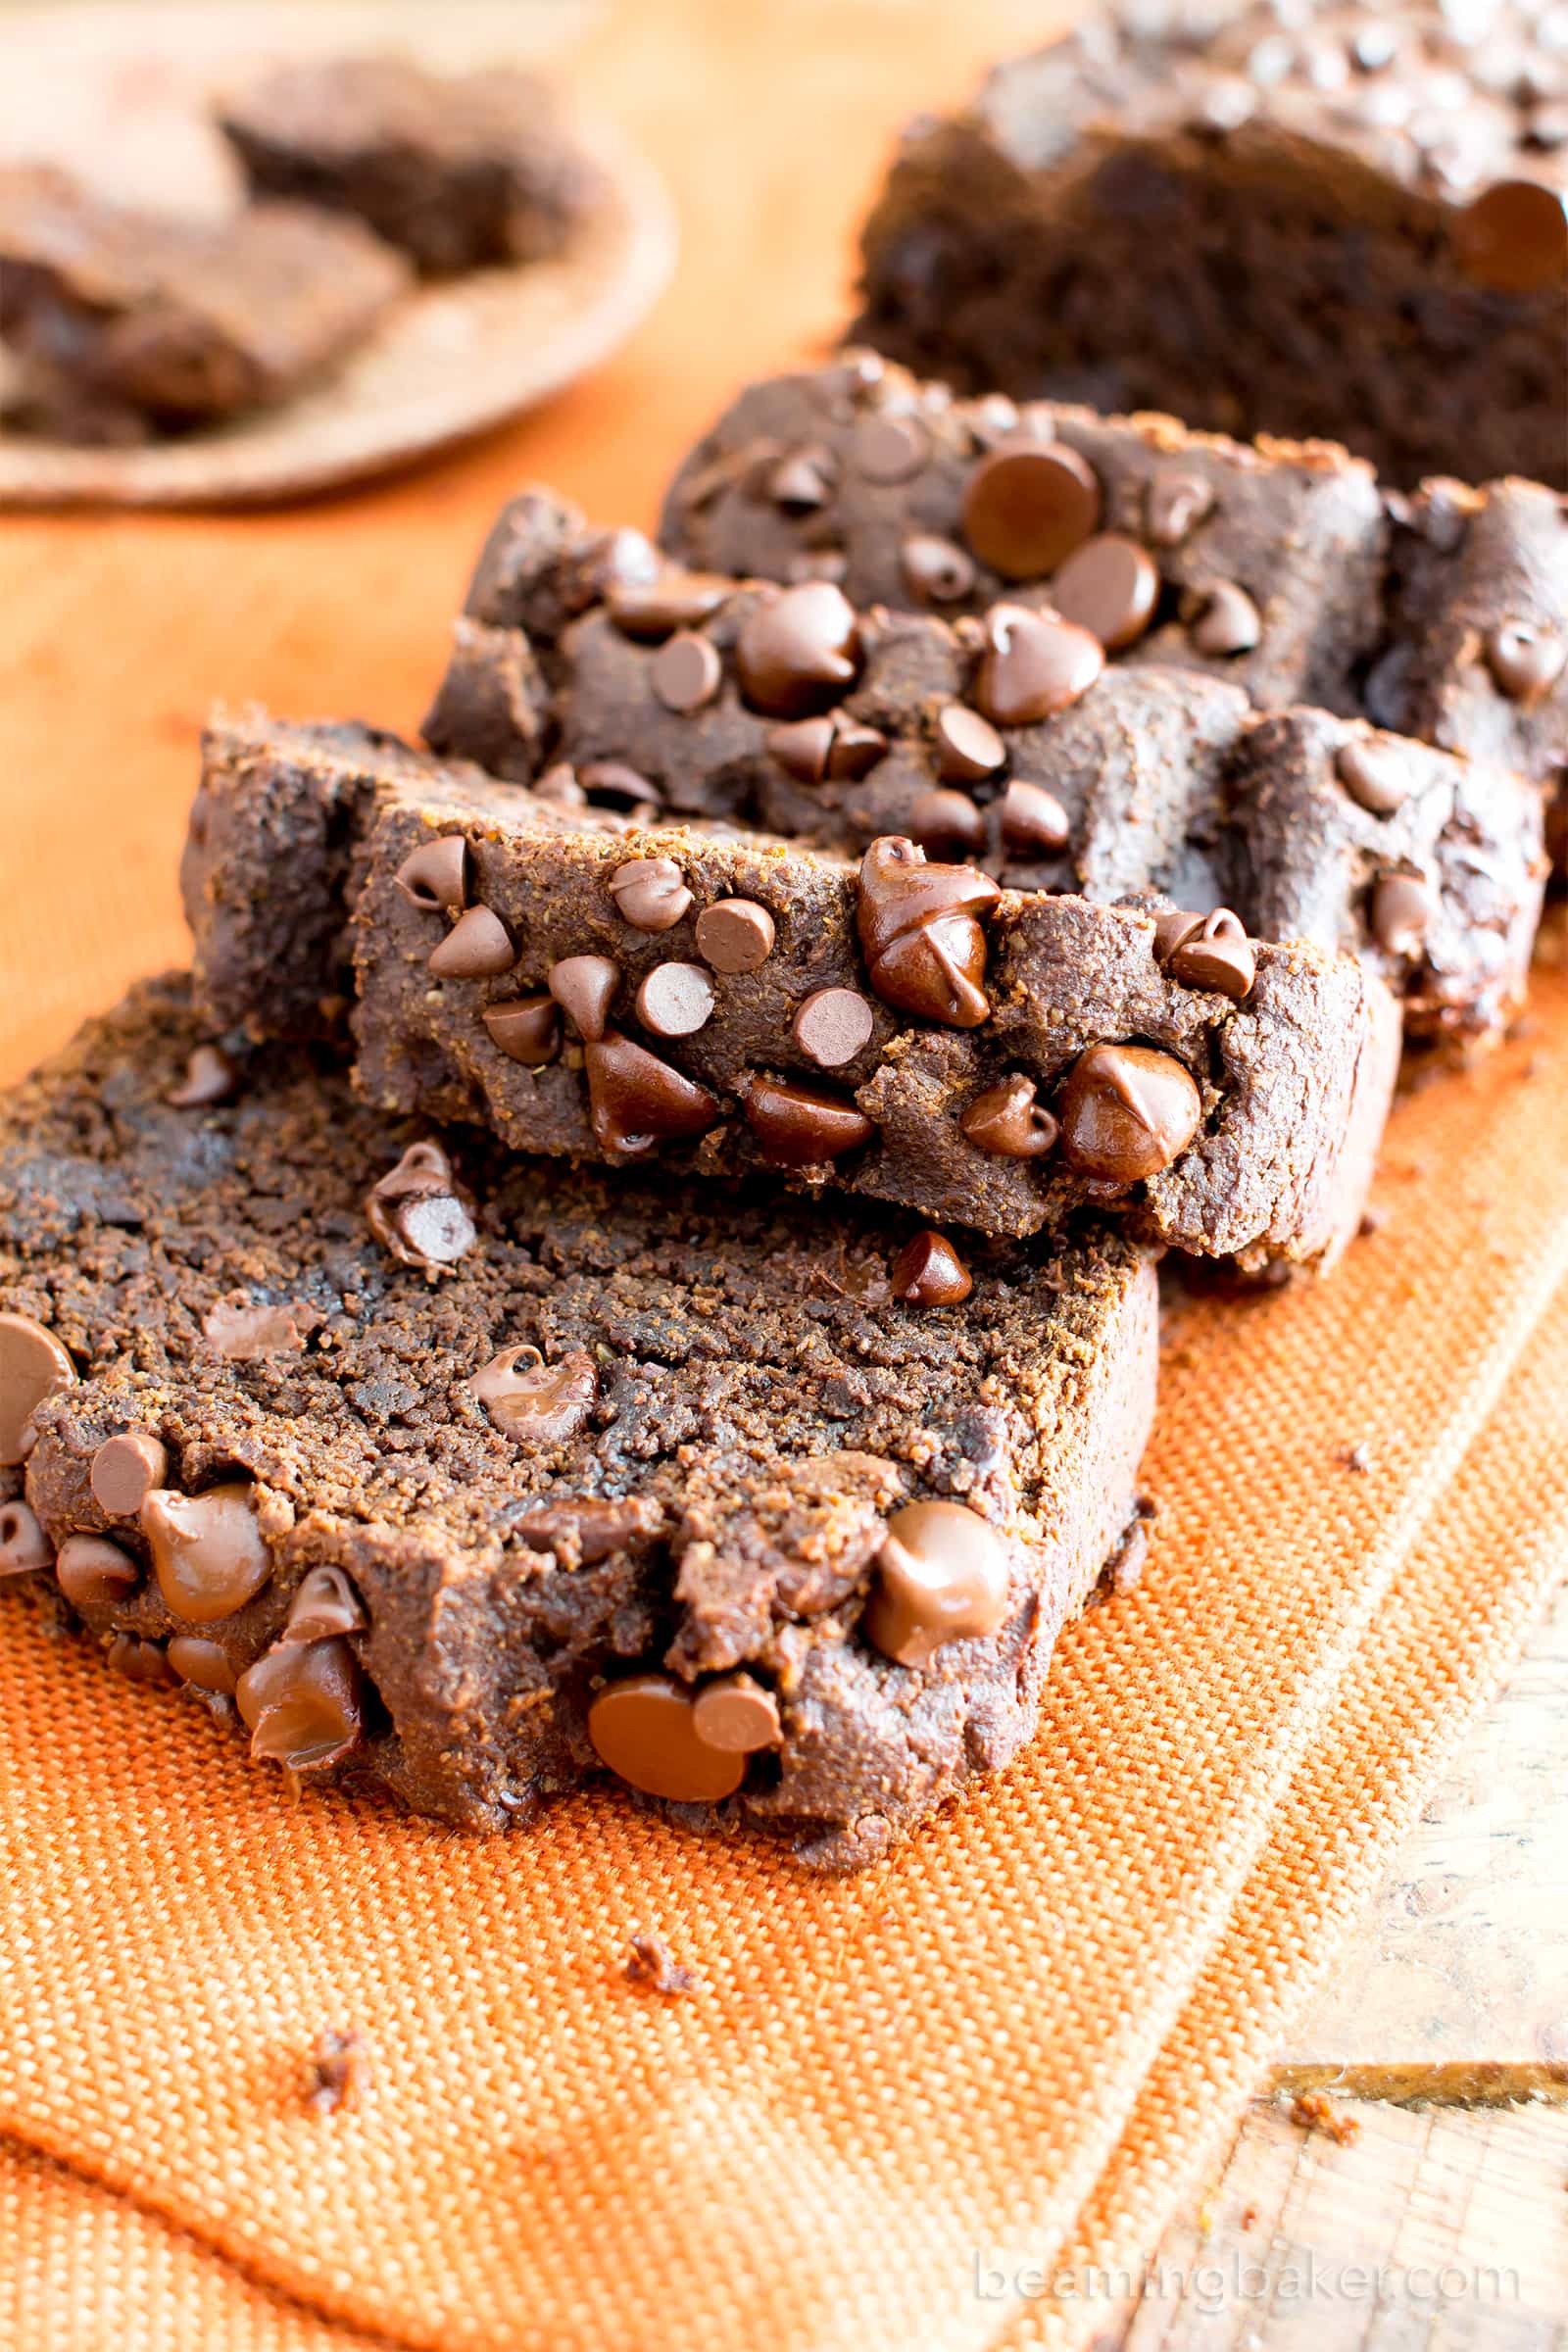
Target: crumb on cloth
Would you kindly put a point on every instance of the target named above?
(651, 1965)
(337, 2072)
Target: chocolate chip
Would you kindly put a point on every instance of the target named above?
(1375, 771)
(324, 1606)
(1126, 1112)
(686, 673)
(941, 1576)
(1108, 587)
(24, 1546)
(676, 999)
(1402, 912)
(936, 569)
(1216, 954)
(624, 787)
(832, 1025)
(585, 1529)
(559, 786)
(437, 874)
(645, 1730)
(801, 749)
(889, 449)
(925, 952)
(477, 947)
(799, 650)
(929, 1272)
(138, 1659)
(947, 823)
(209, 1555)
(419, 1213)
(854, 750)
(737, 1714)
(303, 1707)
(540, 1403)
(526, 1031)
(1525, 658)
(675, 599)
(210, 1077)
(968, 747)
(33, 1366)
(1034, 822)
(735, 935)
(203, 1664)
(1176, 499)
(803, 481)
(125, 1469)
(635, 1100)
(95, 1574)
(584, 987)
(1221, 618)
(1028, 505)
(816, 564)
(650, 894)
(1033, 665)
(799, 1127)
(1010, 1121)
(1514, 238)
(245, 1334)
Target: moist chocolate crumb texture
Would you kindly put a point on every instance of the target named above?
(458, 170)
(1297, 217)
(1002, 737)
(896, 1026)
(1275, 567)
(121, 323)
(477, 1478)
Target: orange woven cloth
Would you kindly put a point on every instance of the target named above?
(1011, 2043)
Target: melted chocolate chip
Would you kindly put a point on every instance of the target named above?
(304, 1706)
(675, 599)
(209, 1554)
(138, 1659)
(1214, 952)
(324, 1606)
(1033, 665)
(803, 481)
(586, 1529)
(635, 1100)
(1221, 618)
(1010, 1121)
(1176, 499)
(32, 1368)
(419, 1213)
(1126, 1112)
(210, 1077)
(535, 1403)
(24, 1546)
(799, 1127)
(203, 1664)
(650, 894)
(925, 952)
(929, 1272)
(941, 1576)
(95, 1574)
(644, 1729)
(797, 650)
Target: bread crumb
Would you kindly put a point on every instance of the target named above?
(1314, 2111)
(337, 2072)
(654, 1967)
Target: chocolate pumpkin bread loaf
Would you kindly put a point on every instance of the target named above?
(477, 1477)
(1317, 220)
(1002, 737)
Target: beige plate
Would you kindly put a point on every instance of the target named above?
(124, 92)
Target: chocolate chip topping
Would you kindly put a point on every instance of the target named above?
(650, 894)
(94, 1573)
(635, 1100)
(418, 1212)
(1514, 238)
(675, 599)
(799, 1127)
(947, 823)
(1403, 911)
(937, 570)
(210, 1077)
(1221, 618)
(832, 1025)
(616, 784)
(797, 650)
(303, 1707)
(941, 1576)
(125, 1469)
(477, 947)
(1126, 1112)
(889, 449)
(1525, 658)
(1034, 822)
(24, 1546)
(801, 749)
(645, 1730)
(203, 1664)
(585, 1529)
(968, 747)
(929, 1272)
(1010, 1121)
(324, 1606)
(137, 1659)
(925, 952)
(1176, 500)
(526, 1031)
(1214, 952)
(1028, 505)
(535, 1403)
(686, 673)
(854, 750)
(209, 1555)
(676, 999)
(437, 874)
(1375, 771)
(803, 481)
(33, 1366)
(584, 987)
(1033, 665)
(1109, 586)
(735, 935)
(737, 1714)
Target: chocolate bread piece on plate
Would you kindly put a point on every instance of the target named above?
(478, 1477)
(896, 1027)
(1002, 737)
(1319, 220)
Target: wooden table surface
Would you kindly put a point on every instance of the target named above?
(1445, 2038)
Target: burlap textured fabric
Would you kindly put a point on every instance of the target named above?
(1016, 2040)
